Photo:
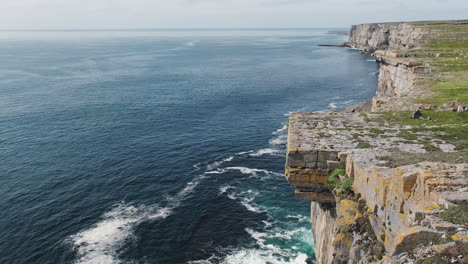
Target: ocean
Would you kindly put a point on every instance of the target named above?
(161, 146)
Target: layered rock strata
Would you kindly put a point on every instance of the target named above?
(391, 214)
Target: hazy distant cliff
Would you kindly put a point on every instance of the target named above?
(387, 185)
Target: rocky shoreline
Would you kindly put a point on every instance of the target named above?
(387, 186)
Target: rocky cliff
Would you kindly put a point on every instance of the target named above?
(386, 186)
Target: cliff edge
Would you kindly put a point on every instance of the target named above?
(388, 180)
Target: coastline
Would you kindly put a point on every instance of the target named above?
(379, 178)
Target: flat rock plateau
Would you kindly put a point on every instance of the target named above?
(388, 180)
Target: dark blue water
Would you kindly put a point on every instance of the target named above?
(161, 147)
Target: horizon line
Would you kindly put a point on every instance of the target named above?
(167, 29)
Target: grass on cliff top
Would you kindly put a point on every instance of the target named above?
(438, 22)
(429, 118)
(446, 91)
(448, 46)
(457, 214)
(451, 127)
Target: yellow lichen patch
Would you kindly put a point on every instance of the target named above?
(429, 206)
(458, 237)
(427, 174)
(343, 240)
(438, 181)
(387, 243)
(358, 215)
(346, 210)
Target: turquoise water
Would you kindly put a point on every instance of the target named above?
(161, 146)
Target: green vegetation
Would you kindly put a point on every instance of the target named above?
(451, 127)
(429, 118)
(446, 91)
(363, 145)
(447, 54)
(334, 181)
(457, 214)
(375, 132)
(434, 260)
(366, 118)
(346, 184)
(407, 134)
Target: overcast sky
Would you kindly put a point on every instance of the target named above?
(99, 14)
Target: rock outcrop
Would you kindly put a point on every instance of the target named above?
(399, 75)
(379, 187)
(391, 36)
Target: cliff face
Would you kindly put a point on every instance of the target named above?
(392, 36)
(379, 183)
(399, 76)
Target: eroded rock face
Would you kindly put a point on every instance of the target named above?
(398, 76)
(324, 224)
(392, 212)
(402, 202)
(393, 36)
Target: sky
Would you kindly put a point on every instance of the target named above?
(128, 14)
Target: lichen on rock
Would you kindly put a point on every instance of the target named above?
(409, 176)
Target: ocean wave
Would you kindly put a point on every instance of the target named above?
(266, 151)
(332, 105)
(216, 164)
(197, 166)
(99, 244)
(245, 198)
(254, 172)
(281, 130)
(300, 218)
(245, 152)
(224, 189)
(256, 256)
(267, 249)
(289, 113)
(279, 140)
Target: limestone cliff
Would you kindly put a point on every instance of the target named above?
(382, 184)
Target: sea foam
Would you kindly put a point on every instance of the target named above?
(99, 243)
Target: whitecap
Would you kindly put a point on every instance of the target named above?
(254, 172)
(215, 172)
(251, 206)
(197, 166)
(99, 244)
(300, 218)
(216, 164)
(280, 140)
(224, 189)
(281, 130)
(332, 105)
(256, 256)
(245, 152)
(267, 151)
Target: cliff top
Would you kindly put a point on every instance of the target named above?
(389, 182)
